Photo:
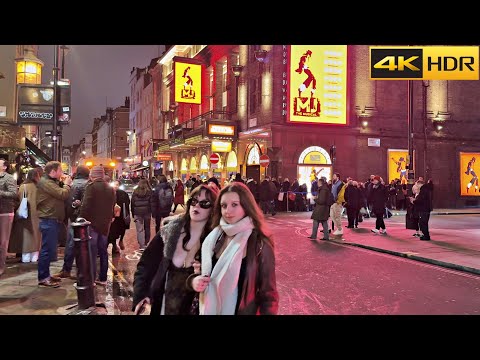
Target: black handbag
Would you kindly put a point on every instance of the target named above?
(411, 222)
(126, 218)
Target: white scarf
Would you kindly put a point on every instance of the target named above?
(220, 296)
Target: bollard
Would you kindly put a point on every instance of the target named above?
(85, 282)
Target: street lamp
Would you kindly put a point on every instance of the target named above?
(237, 71)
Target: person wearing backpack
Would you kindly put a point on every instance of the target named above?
(320, 213)
(162, 200)
(141, 206)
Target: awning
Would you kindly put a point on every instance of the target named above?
(40, 157)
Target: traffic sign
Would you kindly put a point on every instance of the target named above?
(214, 158)
(264, 160)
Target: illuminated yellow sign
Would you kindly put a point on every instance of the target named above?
(226, 130)
(469, 170)
(317, 84)
(397, 162)
(221, 146)
(188, 83)
(424, 62)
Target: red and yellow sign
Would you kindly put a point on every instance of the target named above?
(188, 82)
(397, 165)
(317, 84)
(469, 170)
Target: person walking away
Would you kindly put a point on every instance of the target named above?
(352, 203)
(142, 212)
(238, 259)
(8, 196)
(179, 198)
(378, 199)
(321, 210)
(122, 222)
(25, 237)
(51, 197)
(169, 260)
(267, 194)
(98, 208)
(162, 200)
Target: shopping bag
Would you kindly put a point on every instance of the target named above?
(22, 211)
(280, 196)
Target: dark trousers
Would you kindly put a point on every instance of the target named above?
(50, 228)
(424, 216)
(379, 223)
(352, 216)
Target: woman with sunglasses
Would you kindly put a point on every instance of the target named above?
(238, 261)
(160, 279)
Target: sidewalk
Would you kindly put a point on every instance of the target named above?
(453, 248)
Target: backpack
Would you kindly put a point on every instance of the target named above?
(331, 199)
(165, 198)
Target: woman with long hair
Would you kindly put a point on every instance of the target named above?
(25, 237)
(167, 262)
(142, 212)
(238, 260)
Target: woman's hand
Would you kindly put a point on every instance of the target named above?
(200, 283)
(143, 307)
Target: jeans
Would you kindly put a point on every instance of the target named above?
(98, 245)
(69, 255)
(268, 206)
(142, 224)
(316, 223)
(50, 229)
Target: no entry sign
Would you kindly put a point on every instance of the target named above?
(214, 158)
(264, 160)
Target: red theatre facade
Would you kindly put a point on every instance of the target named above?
(309, 108)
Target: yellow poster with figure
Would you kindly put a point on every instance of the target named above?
(469, 169)
(397, 165)
(188, 82)
(317, 84)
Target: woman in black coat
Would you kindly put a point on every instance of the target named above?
(122, 222)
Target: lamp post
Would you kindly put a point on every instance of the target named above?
(237, 71)
(410, 169)
(55, 103)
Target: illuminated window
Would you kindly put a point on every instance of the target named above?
(254, 156)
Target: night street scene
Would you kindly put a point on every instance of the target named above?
(239, 180)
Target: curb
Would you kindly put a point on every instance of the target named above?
(455, 213)
(419, 258)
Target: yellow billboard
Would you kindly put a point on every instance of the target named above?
(397, 165)
(188, 82)
(317, 84)
(468, 174)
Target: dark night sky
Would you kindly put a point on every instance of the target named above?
(99, 76)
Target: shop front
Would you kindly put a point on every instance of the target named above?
(313, 163)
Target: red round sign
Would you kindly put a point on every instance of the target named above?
(214, 158)
(264, 160)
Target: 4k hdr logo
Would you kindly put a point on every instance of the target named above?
(424, 63)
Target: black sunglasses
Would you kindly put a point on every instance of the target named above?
(204, 204)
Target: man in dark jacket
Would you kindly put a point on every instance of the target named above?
(423, 205)
(98, 208)
(378, 199)
(73, 206)
(321, 211)
(162, 200)
(267, 194)
(8, 193)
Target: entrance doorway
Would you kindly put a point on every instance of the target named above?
(253, 171)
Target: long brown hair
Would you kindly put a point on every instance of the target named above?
(211, 194)
(143, 188)
(249, 205)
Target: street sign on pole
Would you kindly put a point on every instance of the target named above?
(214, 158)
(264, 160)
